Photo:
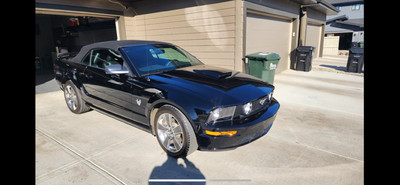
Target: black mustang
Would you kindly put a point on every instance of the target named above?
(162, 89)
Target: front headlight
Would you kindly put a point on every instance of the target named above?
(220, 114)
(269, 97)
(247, 108)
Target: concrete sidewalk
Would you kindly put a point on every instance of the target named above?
(317, 138)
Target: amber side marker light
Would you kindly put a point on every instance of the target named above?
(224, 133)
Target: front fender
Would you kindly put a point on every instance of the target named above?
(193, 107)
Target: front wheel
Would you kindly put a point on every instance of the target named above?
(73, 99)
(174, 132)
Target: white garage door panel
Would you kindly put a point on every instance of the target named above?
(313, 37)
(269, 34)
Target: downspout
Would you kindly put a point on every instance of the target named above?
(303, 26)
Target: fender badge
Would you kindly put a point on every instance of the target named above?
(138, 101)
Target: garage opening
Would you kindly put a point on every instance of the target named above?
(57, 34)
(344, 40)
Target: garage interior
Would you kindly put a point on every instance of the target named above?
(56, 34)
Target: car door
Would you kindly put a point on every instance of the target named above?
(115, 93)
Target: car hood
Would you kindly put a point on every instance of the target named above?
(220, 86)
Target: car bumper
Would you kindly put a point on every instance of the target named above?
(246, 133)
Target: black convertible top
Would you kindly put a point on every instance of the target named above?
(114, 45)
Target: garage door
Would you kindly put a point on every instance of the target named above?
(313, 37)
(264, 33)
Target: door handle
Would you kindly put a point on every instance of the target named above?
(88, 76)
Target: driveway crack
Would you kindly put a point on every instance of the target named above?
(86, 159)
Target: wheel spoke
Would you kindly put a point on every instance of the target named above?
(74, 99)
(69, 103)
(169, 120)
(177, 129)
(73, 105)
(166, 142)
(162, 135)
(170, 132)
(161, 122)
(69, 90)
(177, 144)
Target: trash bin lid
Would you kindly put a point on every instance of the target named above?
(263, 56)
(305, 48)
(357, 50)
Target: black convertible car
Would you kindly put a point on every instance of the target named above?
(162, 89)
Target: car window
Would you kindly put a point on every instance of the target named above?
(101, 58)
(104, 57)
(86, 59)
(150, 59)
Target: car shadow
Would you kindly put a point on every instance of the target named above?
(170, 170)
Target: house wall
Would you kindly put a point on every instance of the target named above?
(216, 32)
(206, 31)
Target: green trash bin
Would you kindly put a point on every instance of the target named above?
(263, 64)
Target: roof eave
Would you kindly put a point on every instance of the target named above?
(319, 5)
(329, 9)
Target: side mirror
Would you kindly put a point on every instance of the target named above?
(116, 69)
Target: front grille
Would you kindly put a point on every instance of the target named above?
(257, 110)
(260, 103)
(257, 105)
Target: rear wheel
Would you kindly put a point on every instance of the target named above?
(73, 99)
(174, 132)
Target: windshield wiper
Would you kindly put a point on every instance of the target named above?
(184, 65)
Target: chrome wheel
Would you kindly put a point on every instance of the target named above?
(70, 97)
(170, 132)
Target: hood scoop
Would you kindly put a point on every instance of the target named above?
(214, 74)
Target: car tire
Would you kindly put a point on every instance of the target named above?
(73, 98)
(174, 132)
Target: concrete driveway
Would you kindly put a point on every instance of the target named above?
(334, 63)
(317, 138)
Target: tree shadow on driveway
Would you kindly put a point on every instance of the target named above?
(170, 172)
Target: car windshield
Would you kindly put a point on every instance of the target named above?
(155, 58)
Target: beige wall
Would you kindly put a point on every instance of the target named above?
(207, 31)
(214, 33)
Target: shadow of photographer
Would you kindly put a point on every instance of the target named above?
(170, 172)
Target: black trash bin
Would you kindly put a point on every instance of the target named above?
(304, 58)
(355, 45)
(355, 61)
